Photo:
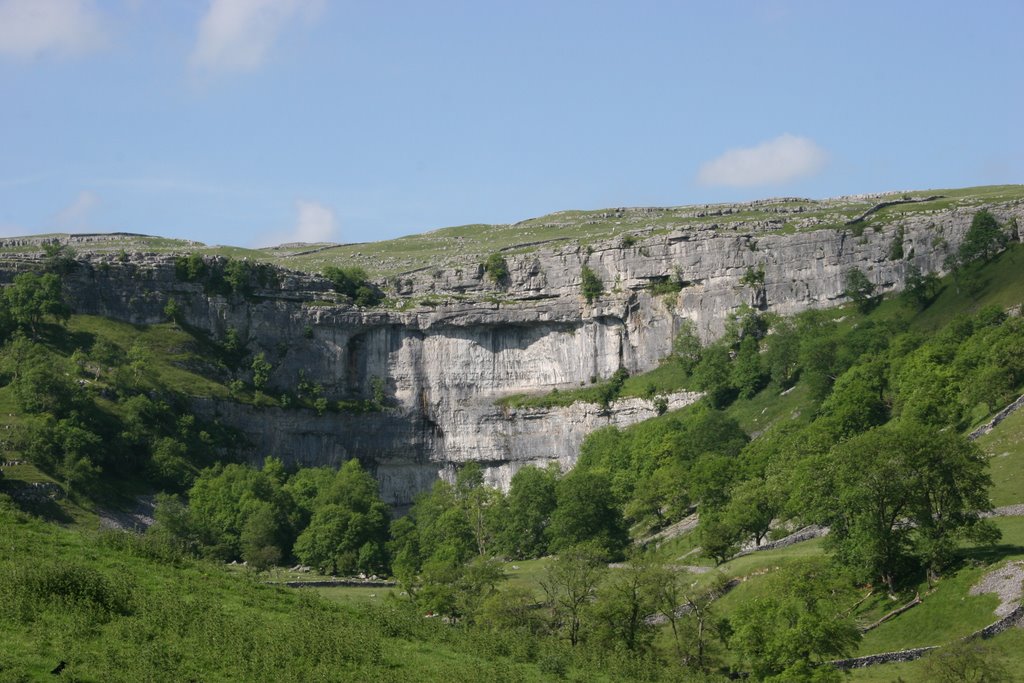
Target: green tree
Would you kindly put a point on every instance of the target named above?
(963, 661)
(622, 605)
(260, 537)
(859, 289)
(587, 512)
(261, 369)
(921, 289)
(782, 353)
(686, 347)
(900, 495)
(590, 284)
(797, 626)
(687, 606)
(31, 298)
(719, 538)
(753, 504)
(348, 529)
(354, 283)
(172, 311)
(570, 583)
(497, 269)
(526, 512)
(748, 375)
(225, 496)
(713, 375)
(983, 240)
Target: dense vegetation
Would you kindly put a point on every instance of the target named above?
(874, 449)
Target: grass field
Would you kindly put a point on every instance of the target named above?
(466, 246)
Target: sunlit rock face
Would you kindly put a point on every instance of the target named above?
(443, 366)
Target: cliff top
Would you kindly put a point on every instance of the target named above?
(463, 245)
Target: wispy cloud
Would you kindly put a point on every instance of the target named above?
(75, 216)
(235, 35)
(314, 222)
(773, 162)
(32, 28)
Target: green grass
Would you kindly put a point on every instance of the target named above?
(667, 378)
(178, 360)
(466, 246)
(1006, 648)
(769, 406)
(354, 595)
(1004, 287)
(527, 574)
(1005, 447)
(944, 615)
(196, 621)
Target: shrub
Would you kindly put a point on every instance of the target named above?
(590, 284)
(354, 283)
(496, 268)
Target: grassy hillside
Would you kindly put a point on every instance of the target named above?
(119, 607)
(469, 245)
(103, 605)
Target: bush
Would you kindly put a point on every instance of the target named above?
(590, 284)
(496, 268)
(354, 283)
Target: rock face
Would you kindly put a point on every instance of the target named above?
(443, 364)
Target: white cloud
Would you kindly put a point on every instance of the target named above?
(776, 161)
(235, 35)
(313, 223)
(75, 216)
(30, 28)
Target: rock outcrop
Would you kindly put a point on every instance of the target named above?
(462, 341)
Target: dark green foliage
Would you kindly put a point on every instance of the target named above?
(587, 512)
(650, 464)
(859, 289)
(354, 283)
(921, 289)
(879, 480)
(31, 298)
(349, 525)
(818, 354)
(665, 285)
(590, 284)
(172, 311)
(686, 347)
(191, 268)
(719, 540)
(781, 357)
(896, 247)
(59, 258)
(748, 373)
(966, 660)
(525, 513)
(224, 276)
(261, 369)
(610, 390)
(570, 584)
(236, 512)
(984, 239)
(713, 375)
(41, 381)
(497, 269)
(801, 623)
(753, 278)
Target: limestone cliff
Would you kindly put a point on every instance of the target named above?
(453, 342)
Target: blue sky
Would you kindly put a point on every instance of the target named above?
(251, 122)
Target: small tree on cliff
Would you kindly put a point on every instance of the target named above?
(590, 284)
